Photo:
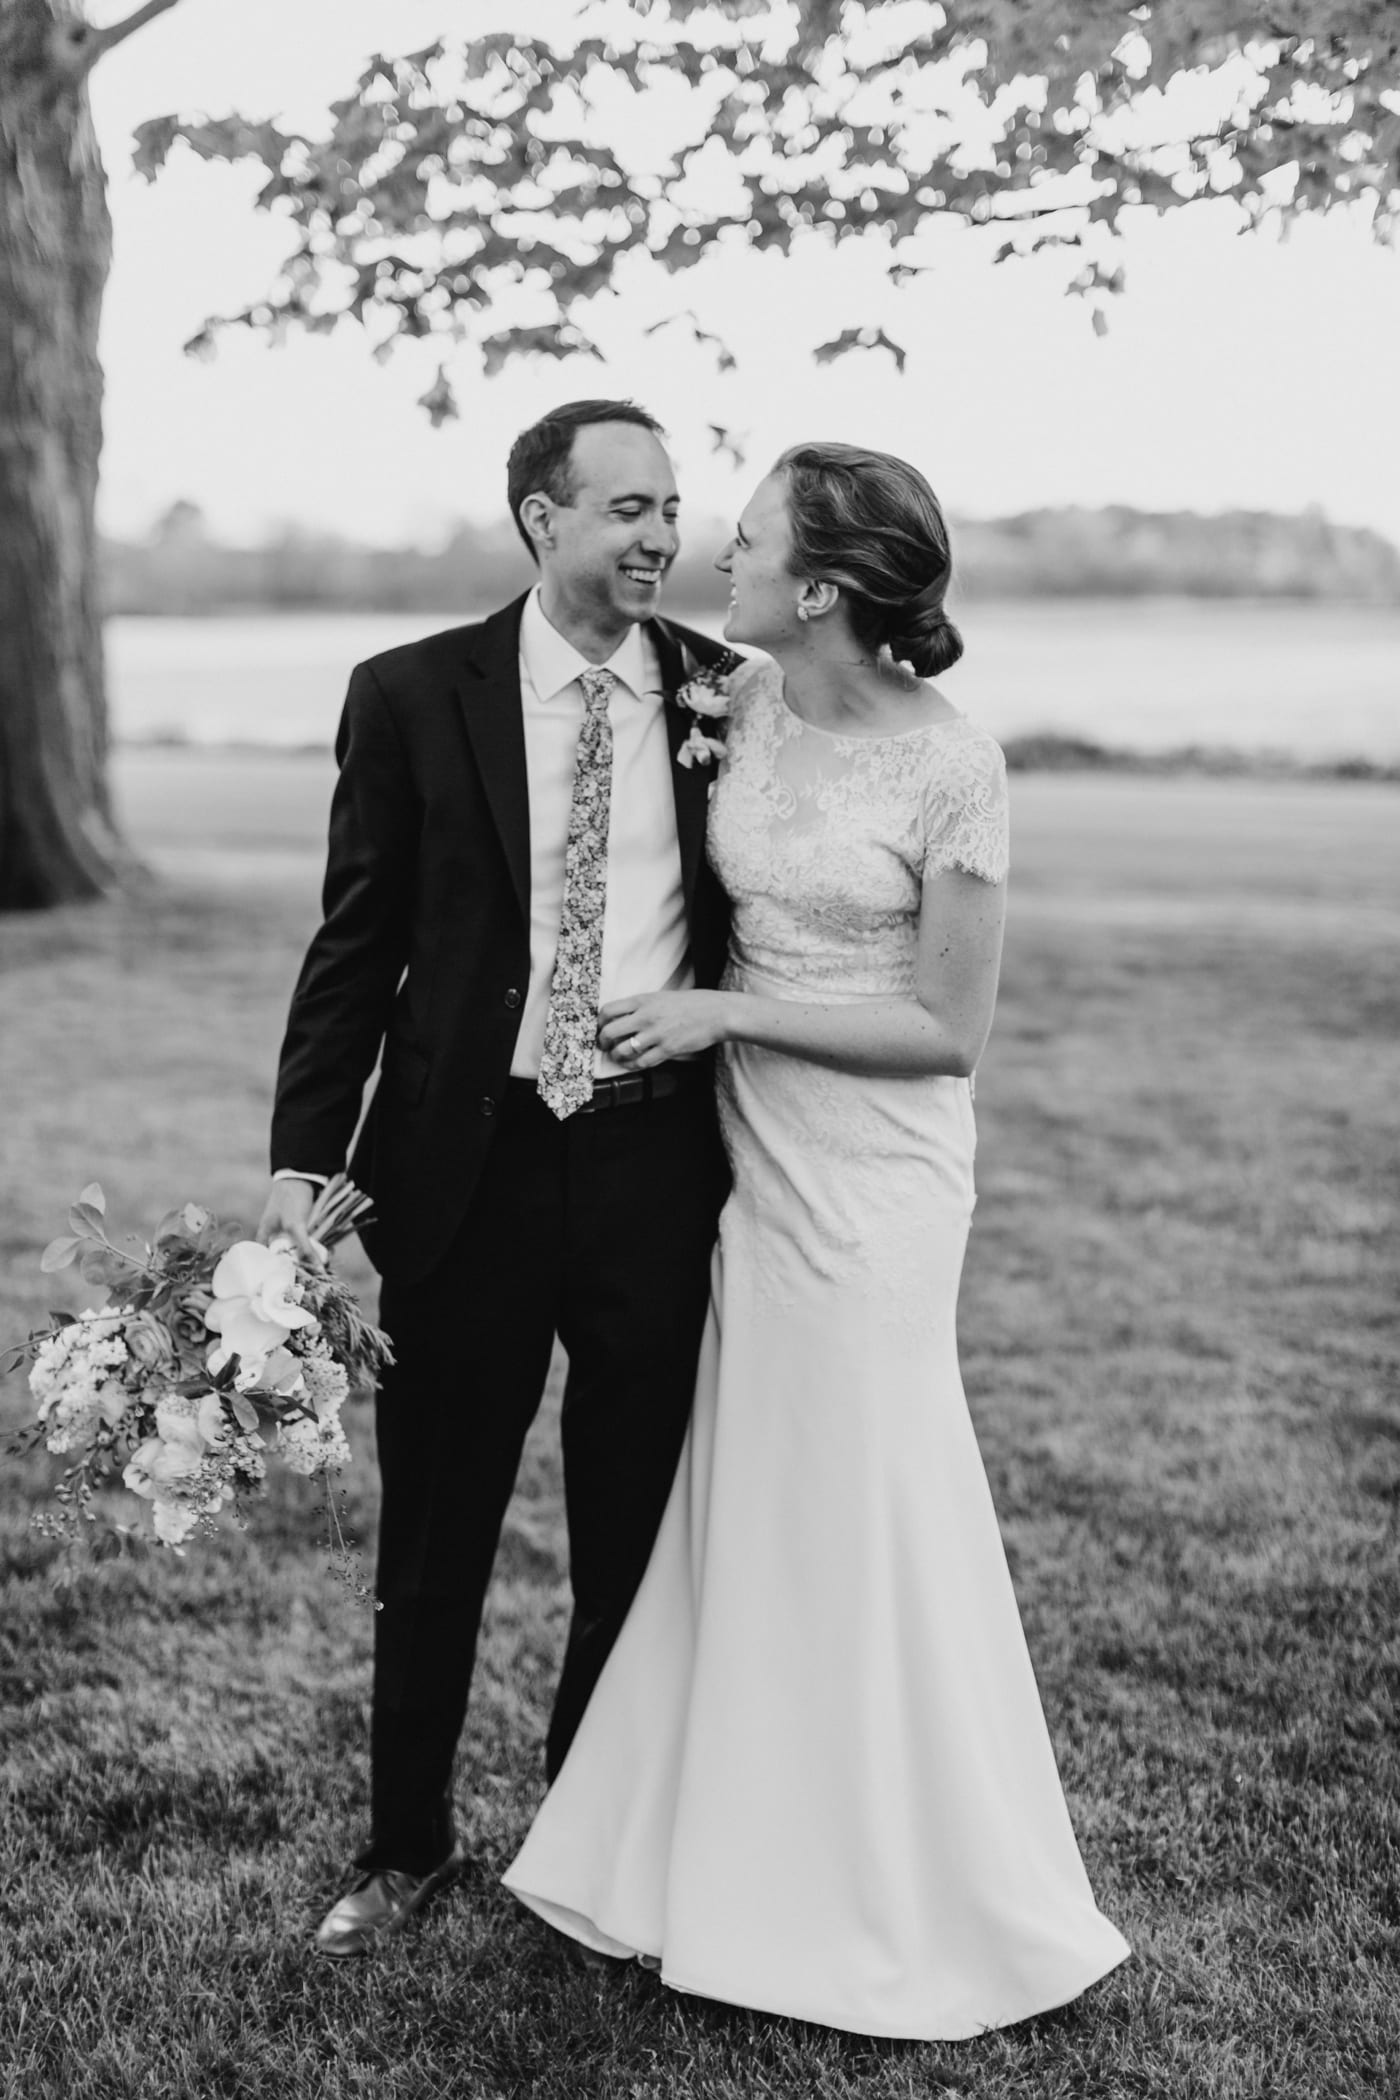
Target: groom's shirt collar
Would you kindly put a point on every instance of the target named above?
(553, 664)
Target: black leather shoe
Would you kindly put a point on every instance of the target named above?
(380, 1905)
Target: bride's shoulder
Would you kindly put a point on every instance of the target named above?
(752, 694)
(965, 803)
(757, 678)
(972, 745)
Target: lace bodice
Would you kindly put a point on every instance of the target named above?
(823, 841)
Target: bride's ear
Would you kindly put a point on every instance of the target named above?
(815, 598)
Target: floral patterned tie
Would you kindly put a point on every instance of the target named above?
(571, 1025)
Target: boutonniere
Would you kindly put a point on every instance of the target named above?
(706, 693)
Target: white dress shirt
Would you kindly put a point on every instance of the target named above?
(645, 938)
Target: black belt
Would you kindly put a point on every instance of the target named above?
(629, 1087)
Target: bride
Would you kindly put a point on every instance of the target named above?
(815, 1777)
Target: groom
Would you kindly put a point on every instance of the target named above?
(512, 842)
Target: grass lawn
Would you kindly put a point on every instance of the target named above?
(1180, 1345)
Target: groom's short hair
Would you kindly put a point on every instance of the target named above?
(541, 459)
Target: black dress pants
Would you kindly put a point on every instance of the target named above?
(598, 1229)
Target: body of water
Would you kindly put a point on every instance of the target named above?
(1314, 681)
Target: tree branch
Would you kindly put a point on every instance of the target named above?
(118, 32)
(77, 46)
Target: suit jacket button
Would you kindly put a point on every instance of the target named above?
(488, 1106)
(512, 998)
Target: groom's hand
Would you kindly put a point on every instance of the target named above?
(288, 1206)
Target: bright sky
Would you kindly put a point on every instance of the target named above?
(1236, 371)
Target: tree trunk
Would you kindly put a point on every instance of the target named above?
(58, 839)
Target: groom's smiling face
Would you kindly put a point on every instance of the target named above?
(605, 554)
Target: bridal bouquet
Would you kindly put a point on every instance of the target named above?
(211, 1355)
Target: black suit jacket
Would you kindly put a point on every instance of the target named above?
(424, 948)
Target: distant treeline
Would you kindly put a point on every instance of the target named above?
(1117, 552)
(1110, 552)
(1046, 751)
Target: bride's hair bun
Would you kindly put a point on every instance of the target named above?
(924, 637)
(870, 524)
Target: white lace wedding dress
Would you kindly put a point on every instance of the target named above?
(815, 1777)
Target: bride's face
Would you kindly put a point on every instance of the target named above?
(763, 593)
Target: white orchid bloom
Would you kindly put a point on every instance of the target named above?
(253, 1309)
(279, 1372)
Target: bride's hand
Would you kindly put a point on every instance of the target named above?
(655, 1026)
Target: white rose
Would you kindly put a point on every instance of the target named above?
(711, 701)
(174, 1521)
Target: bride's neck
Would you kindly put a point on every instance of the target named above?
(832, 687)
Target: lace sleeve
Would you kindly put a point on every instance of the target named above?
(756, 675)
(965, 813)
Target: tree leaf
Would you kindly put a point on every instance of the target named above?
(859, 339)
(99, 1266)
(723, 440)
(59, 1253)
(86, 1221)
(563, 341)
(440, 401)
(245, 1414)
(447, 179)
(92, 1195)
(12, 1359)
(153, 141)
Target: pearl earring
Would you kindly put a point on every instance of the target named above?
(802, 612)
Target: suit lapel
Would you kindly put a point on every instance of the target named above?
(690, 784)
(488, 695)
